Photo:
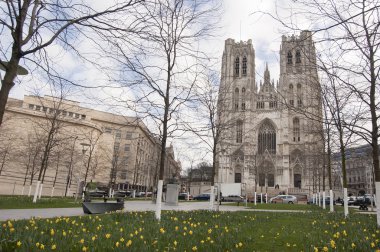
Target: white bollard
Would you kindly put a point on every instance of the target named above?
(255, 198)
(345, 200)
(324, 200)
(261, 198)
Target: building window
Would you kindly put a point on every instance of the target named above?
(296, 130)
(31, 106)
(76, 116)
(117, 134)
(291, 102)
(236, 99)
(123, 174)
(108, 130)
(127, 147)
(267, 138)
(290, 57)
(260, 105)
(71, 114)
(298, 56)
(273, 104)
(291, 87)
(44, 109)
(244, 66)
(128, 135)
(299, 103)
(239, 131)
(64, 113)
(270, 180)
(261, 179)
(38, 108)
(116, 146)
(237, 177)
(243, 99)
(83, 117)
(237, 66)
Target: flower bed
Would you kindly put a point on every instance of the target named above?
(194, 231)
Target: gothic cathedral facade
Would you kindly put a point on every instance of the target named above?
(271, 134)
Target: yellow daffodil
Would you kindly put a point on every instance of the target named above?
(325, 249)
(332, 243)
(19, 244)
(353, 245)
(176, 228)
(175, 243)
(209, 231)
(37, 244)
(108, 236)
(372, 244)
(122, 239)
(190, 232)
(53, 247)
(141, 237)
(93, 238)
(81, 241)
(162, 230)
(42, 246)
(64, 233)
(121, 229)
(84, 249)
(202, 241)
(240, 244)
(117, 244)
(129, 243)
(52, 232)
(315, 249)
(194, 248)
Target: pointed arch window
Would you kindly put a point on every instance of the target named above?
(237, 66)
(267, 138)
(239, 131)
(298, 56)
(299, 95)
(244, 66)
(236, 99)
(291, 87)
(243, 99)
(296, 130)
(290, 57)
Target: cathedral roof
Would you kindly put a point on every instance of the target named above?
(267, 87)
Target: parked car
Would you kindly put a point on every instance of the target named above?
(363, 200)
(351, 200)
(233, 198)
(97, 193)
(185, 196)
(327, 201)
(289, 199)
(122, 194)
(203, 196)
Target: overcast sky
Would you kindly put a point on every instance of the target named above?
(237, 22)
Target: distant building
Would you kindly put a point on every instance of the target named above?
(111, 149)
(359, 170)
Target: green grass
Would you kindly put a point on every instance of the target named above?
(194, 231)
(24, 202)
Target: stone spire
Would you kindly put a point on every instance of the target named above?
(266, 75)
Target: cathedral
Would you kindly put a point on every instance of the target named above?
(271, 133)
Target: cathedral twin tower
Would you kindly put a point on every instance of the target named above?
(271, 133)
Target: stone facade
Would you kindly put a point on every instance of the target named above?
(85, 145)
(271, 133)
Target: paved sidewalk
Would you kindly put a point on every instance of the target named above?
(18, 214)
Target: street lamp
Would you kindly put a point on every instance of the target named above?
(85, 147)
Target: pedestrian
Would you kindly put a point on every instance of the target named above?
(220, 198)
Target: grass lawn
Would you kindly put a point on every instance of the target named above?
(194, 231)
(24, 202)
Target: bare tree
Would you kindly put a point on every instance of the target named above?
(162, 72)
(349, 39)
(29, 27)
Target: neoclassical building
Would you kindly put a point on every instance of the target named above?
(271, 132)
(84, 145)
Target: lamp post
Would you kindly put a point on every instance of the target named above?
(85, 147)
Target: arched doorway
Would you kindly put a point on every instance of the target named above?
(266, 174)
(297, 164)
